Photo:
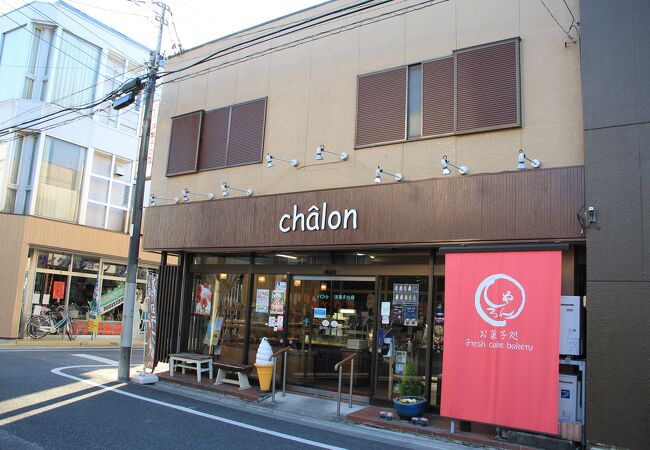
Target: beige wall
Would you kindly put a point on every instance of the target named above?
(311, 91)
(19, 233)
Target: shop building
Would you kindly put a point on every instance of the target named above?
(66, 181)
(275, 141)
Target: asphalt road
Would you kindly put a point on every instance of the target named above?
(68, 398)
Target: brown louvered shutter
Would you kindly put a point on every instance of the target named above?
(214, 139)
(184, 144)
(438, 97)
(487, 94)
(246, 133)
(381, 107)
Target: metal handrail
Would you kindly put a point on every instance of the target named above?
(284, 371)
(339, 366)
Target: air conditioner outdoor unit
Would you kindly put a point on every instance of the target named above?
(120, 171)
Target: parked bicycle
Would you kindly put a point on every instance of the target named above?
(54, 321)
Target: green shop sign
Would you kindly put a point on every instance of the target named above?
(112, 299)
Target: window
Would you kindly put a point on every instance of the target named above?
(109, 192)
(19, 160)
(13, 59)
(38, 67)
(415, 101)
(76, 73)
(59, 183)
(473, 90)
(224, 137)
(117, 71)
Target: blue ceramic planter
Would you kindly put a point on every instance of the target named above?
(408, 410)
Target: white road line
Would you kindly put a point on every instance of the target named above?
(59, 371)
(110, 362)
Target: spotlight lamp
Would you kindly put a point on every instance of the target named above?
(187, 193)
(270, 161)
(225, 190)
(321, 149)
(153, 200)
(445, 164)
(379, 171)
(534, 163)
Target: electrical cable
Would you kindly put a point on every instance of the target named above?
(257, 40)
(323, 34)
(556, 21)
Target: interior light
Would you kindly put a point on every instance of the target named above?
(261, 279)
(223, 276)
(297, 283)
(286, 256)
(323, 286)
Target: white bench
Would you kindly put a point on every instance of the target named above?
(190, 361)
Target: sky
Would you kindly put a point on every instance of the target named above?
(192, 22)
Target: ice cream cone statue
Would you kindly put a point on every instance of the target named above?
(264, 364)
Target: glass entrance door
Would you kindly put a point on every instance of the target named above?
(329, 319)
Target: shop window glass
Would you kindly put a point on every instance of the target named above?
(216, 260)
(114, 290)
(403, 337)
(81, 296)
(85, 264)
(60, 180)
(218, 315)
(49, 291)
(55, 261)
(329, 320)
(115, 270)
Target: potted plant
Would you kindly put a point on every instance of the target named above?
(410, 403)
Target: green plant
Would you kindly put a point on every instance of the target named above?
(410, 386)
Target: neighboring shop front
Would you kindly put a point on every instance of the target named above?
(69, 279)
(47, 262)
(355, 271)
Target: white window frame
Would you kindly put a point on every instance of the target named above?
(112, 180)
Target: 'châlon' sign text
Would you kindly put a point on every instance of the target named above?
(318, 219)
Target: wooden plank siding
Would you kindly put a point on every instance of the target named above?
(507, 206)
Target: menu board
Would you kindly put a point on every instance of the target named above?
(406, 294)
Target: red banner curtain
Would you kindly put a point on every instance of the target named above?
(502, 314)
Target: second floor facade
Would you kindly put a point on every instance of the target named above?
(398, 86)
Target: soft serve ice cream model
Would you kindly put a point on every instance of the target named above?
(264, 364)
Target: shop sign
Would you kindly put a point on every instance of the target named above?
(112, 299)
(502, 314)
(152, 317)
(318, 219)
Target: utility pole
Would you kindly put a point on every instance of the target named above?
(126, 339)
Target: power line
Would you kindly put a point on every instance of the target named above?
(309, 22)
(556, 21)
(108, 9)
(367, 21)
(39, 37)
(180, 46)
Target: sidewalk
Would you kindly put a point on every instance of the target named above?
(323, 411)
(81, 341)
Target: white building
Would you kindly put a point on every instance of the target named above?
(67, 159)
